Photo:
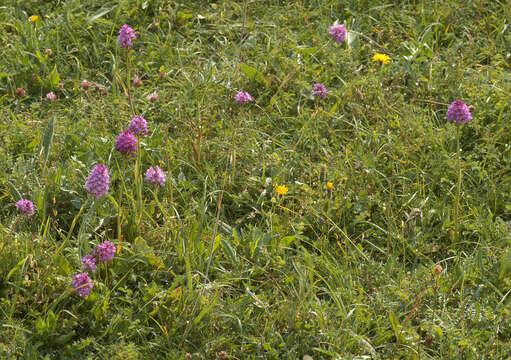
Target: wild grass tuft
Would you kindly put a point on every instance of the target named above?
(290, 226)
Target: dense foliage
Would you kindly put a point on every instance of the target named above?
(290, 225)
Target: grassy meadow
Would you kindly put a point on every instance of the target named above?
(361, 225)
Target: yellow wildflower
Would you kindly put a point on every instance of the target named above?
(382, 58)
(329, 185)
(33, 18)
(281, 189)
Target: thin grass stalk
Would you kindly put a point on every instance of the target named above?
(73, 223)
(128, 76)
(167, 158)
(119, 213)
(233, 158)
(138, 185)
(212, 247)
(458, 187)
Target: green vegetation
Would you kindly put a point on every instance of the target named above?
(216, 264)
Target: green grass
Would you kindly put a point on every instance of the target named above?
(220, 266)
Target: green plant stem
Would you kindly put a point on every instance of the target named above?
(233, 166)
(169, 150)
(128, 88)
(164, 212)
(119, 214)
(212, 247)
(73, 223)
(138, 185)
(458, 187)
(13, 227)
(125, 190)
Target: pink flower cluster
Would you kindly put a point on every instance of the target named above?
(138, 126)
(243, 97)
(338, 33)
(319, 91)
(155, 176)
(126, 36)
(98, 181)
(26, 207)
(458, 111)
(51, 96)
(103, 252)
(152, 97)
(82, 284)
(89, 262)
(126, 143)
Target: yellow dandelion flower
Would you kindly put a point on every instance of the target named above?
(382, 58)
(33, 18)
(281, 189)
(329, 185)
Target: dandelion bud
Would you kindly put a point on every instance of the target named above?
(322, 174)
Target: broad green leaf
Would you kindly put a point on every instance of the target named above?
(16, 268)
(438, 329)
(305, 50)
(54, 77)
(51, 322)
(229, 250)
(48, 139)
(182, 17)
(253, 74)
(63, 339)
(40, 326)
(32, 145)
(205, 310)
(40, 57)
(287, 240)
(395, 324)
(14, 192)
(97, 15)
(62, 264)
(140, 246)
